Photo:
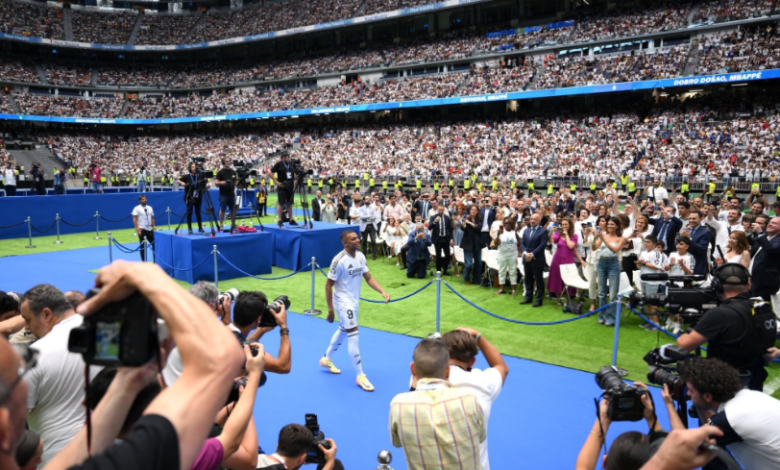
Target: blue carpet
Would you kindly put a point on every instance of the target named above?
(540, 421)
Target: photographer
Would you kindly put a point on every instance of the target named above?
(284, 178)
(248, 314)
(295, 442)
(740, 330)
(630, 450)
(750, 420)
(38, 179)
(193, 195)
(59, 181)
(226, 182)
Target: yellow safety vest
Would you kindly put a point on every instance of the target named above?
(573, 187)
(550, 189)
(631, 187)
(330, 181)
(436, 186)
(494, 183)
(103, 179)
(384, 184)
(344, 184)
(451, 183)
(592, 186)
(614, 185)
(371, 182)
(467, 184)
(685, 188)
(365, 176)
(473, 178)
(624, 180)
(319, 183)
(531, 186)
(309, 182)
(260, 197)
(251, 182)
(513, 184)
(479, 186)
(755, 186)
(418, 183)
(357, 183)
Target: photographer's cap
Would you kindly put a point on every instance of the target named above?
(733, 274)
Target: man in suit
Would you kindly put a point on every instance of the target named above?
(417, 258)
(422, 206)
(533, 244)
(367, 218)
(488, 214)
(440, 227)
(316, 206)
(765, 260)
(666, 228)
(700, 241)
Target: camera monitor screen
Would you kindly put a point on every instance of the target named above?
(107, 339)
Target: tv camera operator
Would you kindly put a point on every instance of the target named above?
(283, 174)
(740, 331)
(226, 182)
(38, 180)
(194, 185)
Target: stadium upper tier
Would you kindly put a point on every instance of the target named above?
(116, 27)
(730, 132)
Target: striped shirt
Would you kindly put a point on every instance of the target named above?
(439, 426)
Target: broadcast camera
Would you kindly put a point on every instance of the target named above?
(625, 401)
(242, 171)
(689, 302)
(315, 455)
(202, 173)
(662, 371)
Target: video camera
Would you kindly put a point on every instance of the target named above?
(690, 302)
(123, 333)
(201, 171)
(625, 401)
(660, 361)
(315, 455)
(242, 171)
(296, 167)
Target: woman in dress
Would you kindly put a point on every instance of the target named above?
(472, 246)
(457, 233)
(609, 243)
(398, 233)
(738, 250)
(329, 211)
(565, 240)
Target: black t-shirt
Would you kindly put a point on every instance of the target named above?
(723, 326)
(152, 445)
(189, 181)
(282, 171)
(230, 176)
(341, 212)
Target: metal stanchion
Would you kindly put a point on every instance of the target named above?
(216, 269)
(619, 304)
(110, 249)
(168, 210)
(438, 299)
(312, 310)
(97, 226)
(144, 243)
(57, 219)
(29, 233)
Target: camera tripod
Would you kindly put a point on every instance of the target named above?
(210, 212)
(301, 192)
(245, 196)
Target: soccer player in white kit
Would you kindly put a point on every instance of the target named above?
(347, 271)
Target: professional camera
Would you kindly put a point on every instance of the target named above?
(267, 319)
(229, 295)
(625, 401)
(689, 302)
(315, 455)
(122, 333)
(297, 168)
(202, 173)
(659, 361)
(237, 384)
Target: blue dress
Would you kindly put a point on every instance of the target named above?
(457, 231)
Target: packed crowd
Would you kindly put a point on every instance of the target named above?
(25, 19)
(729, 10)
(247, 21)
(19, 70)
(103, 28)
(643, 18)
(378, 6)
(569, 71)
(751, 48)
(68, 106)
(5, 105)
(68, 74)
(164, 29)
(134, 76)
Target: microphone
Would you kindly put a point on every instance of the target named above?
(667, 277)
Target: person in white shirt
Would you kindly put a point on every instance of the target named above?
(9, 179)
(342, 291)
(143, 220)
(368, 216)
(724, 229)
(656, 192)
(652, 261)
(56, 383)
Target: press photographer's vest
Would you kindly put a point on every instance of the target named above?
(631, 187)
(757, 317)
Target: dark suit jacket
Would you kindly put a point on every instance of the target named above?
(491, 216)
(435, 229)
(700, 242)
(535, 245)
(671, 233)
(472, 237)
(417, 208)
(316, 208)
(418, 249)
(766, 263)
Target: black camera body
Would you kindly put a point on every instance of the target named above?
(625, 401)
(315, 455)
(688, 301)
(662, 371)
(122, 333)
(267, 319)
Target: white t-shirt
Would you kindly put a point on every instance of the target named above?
(755, 418)
(657, 259)
(145, 215)
(9, 177)
(508, 247)
(56, 389)
(676, 270)
(485, 385)
(347, 272)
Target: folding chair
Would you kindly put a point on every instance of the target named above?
(458, 258)
(491, 262)
(571, 278)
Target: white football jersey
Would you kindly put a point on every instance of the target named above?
(347, 272)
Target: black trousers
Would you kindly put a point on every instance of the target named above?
(443, 261)
(368, 232)
(149, 234)
(10, 190)
(534, 275)
(628, 263)
(194, 204)
(485, 239)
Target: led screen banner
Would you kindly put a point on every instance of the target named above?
(703, 80)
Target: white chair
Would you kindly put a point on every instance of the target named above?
(571, 278)
(637, 281)
(625, 285)
(458, 258)
(491, 262)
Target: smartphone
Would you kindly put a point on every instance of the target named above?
(589, 224)
(598, 229)
(622, 198)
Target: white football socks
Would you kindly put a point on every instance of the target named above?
(335, 342)
(354, 352)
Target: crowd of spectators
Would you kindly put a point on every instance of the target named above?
(378, 6)
(164, 29)
(134, 75)
(25, 19)
(103, 28)
(247, 21)
(454, 46)
(569, 71)
(643, 18)
(486, 80)
(68, 106)
(5, 105)
(751, 48)
(18, 70)
(325, 11)
(68, 74)
(718, 11)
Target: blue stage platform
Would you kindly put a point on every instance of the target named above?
(295, 246)
(249, 252)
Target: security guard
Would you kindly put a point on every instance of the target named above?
(710, 191)
(755, 187)
(685, 190)
(357, 184)
(384, 187)
(418, 184)
(436, 188)
(251, 182)
(592, 187)
(740, 330)
(623, 180)
(331, 185)
(550, 189)
(573, 187)
(320, 183)
(371, 184)
(531, 187)
(512, 184)
(777, 193)
(86, 178)
(480, 186)
(451, 184)
(494, 184)
(632, 189)
(467, 184)
(308, 184)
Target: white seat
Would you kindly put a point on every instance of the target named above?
(586, 273)
(571, 277)
(625, 285)
(637, 280)
(432, 250)
(491, 262)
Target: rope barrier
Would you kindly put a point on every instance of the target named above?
(156, 257)
(123, 248)
(176, 215)
(262, 278)
(44, 231)
(584, 315)
(77, 225)
(14, 225)
(392, 300)
(116, 221)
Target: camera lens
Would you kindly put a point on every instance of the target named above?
(609, 379)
